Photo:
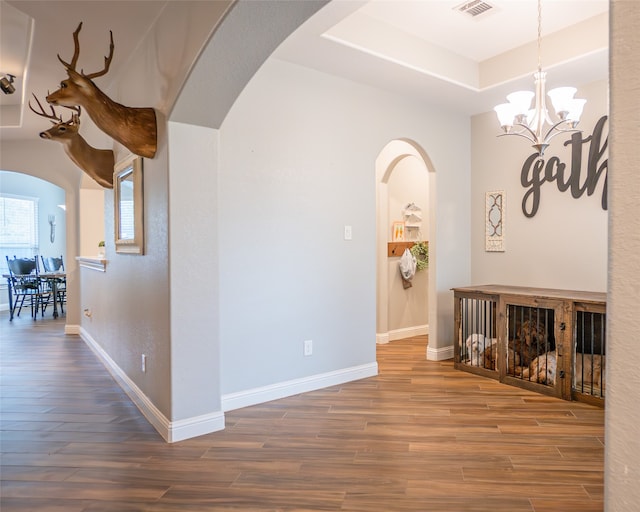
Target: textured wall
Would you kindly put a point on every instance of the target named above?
(622, 447)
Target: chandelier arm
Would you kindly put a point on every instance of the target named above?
(526, 132)
(519, 134)
(567, 130)
(558, 130)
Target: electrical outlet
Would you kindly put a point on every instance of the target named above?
(144, 363)
(348, 233)
(308, 347)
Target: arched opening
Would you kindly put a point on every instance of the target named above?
(36, 168)
(34, 221)
(401, 313)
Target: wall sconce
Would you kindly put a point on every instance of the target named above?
(6, 83)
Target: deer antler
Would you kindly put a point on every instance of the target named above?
(75, 118)
(77, 109)
(76, 54)
(53, 116)
(107, 61)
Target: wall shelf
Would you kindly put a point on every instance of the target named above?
(99, 264)
(396, 249)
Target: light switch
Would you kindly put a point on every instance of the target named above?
(348, 235)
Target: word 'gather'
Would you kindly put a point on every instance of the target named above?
(535, 171)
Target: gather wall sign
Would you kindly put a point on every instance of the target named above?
(536, 171)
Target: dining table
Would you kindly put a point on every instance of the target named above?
(53, 279)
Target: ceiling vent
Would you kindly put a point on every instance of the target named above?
(474, 8)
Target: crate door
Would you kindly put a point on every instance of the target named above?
(475, 317)
(589, 353)
(532, 354)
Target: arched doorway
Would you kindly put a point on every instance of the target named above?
(405, 156)
(34, 220)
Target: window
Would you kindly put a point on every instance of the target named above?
(18, 228)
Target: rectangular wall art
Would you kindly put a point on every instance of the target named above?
(397, 233)
(495, 210)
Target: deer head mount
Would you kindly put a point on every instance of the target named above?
(133, 127)
(97, 163)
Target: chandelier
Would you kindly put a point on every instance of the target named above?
(517, 118)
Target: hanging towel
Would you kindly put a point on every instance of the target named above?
(408, 266)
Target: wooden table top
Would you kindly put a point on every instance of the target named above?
(528, 291)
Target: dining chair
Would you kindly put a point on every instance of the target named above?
(53, 265)
(26, 284)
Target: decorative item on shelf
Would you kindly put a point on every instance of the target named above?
(413, 221)
(420, 251)
(532, 122)
(101, 249)
(397, 233)
(97, 163)
(133, 127)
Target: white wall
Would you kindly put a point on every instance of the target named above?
(91, 221)
(193, 238)
(565, 244)
(298, 153)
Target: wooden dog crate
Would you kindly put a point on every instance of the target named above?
(545, 340)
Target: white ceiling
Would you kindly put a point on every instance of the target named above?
(423, 49)
(428, 51)
(510, 23)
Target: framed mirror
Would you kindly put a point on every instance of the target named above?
(128, 206)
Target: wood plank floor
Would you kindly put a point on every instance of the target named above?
(421, 436)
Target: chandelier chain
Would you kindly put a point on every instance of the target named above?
(530, 123)
(539, 34)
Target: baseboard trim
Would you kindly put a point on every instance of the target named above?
(196, 426)
(439, 354)
(279, 390)
(72, 329)
(399, 334)
(382, 338)
(171, 431)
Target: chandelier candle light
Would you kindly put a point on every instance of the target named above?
(533, 121)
